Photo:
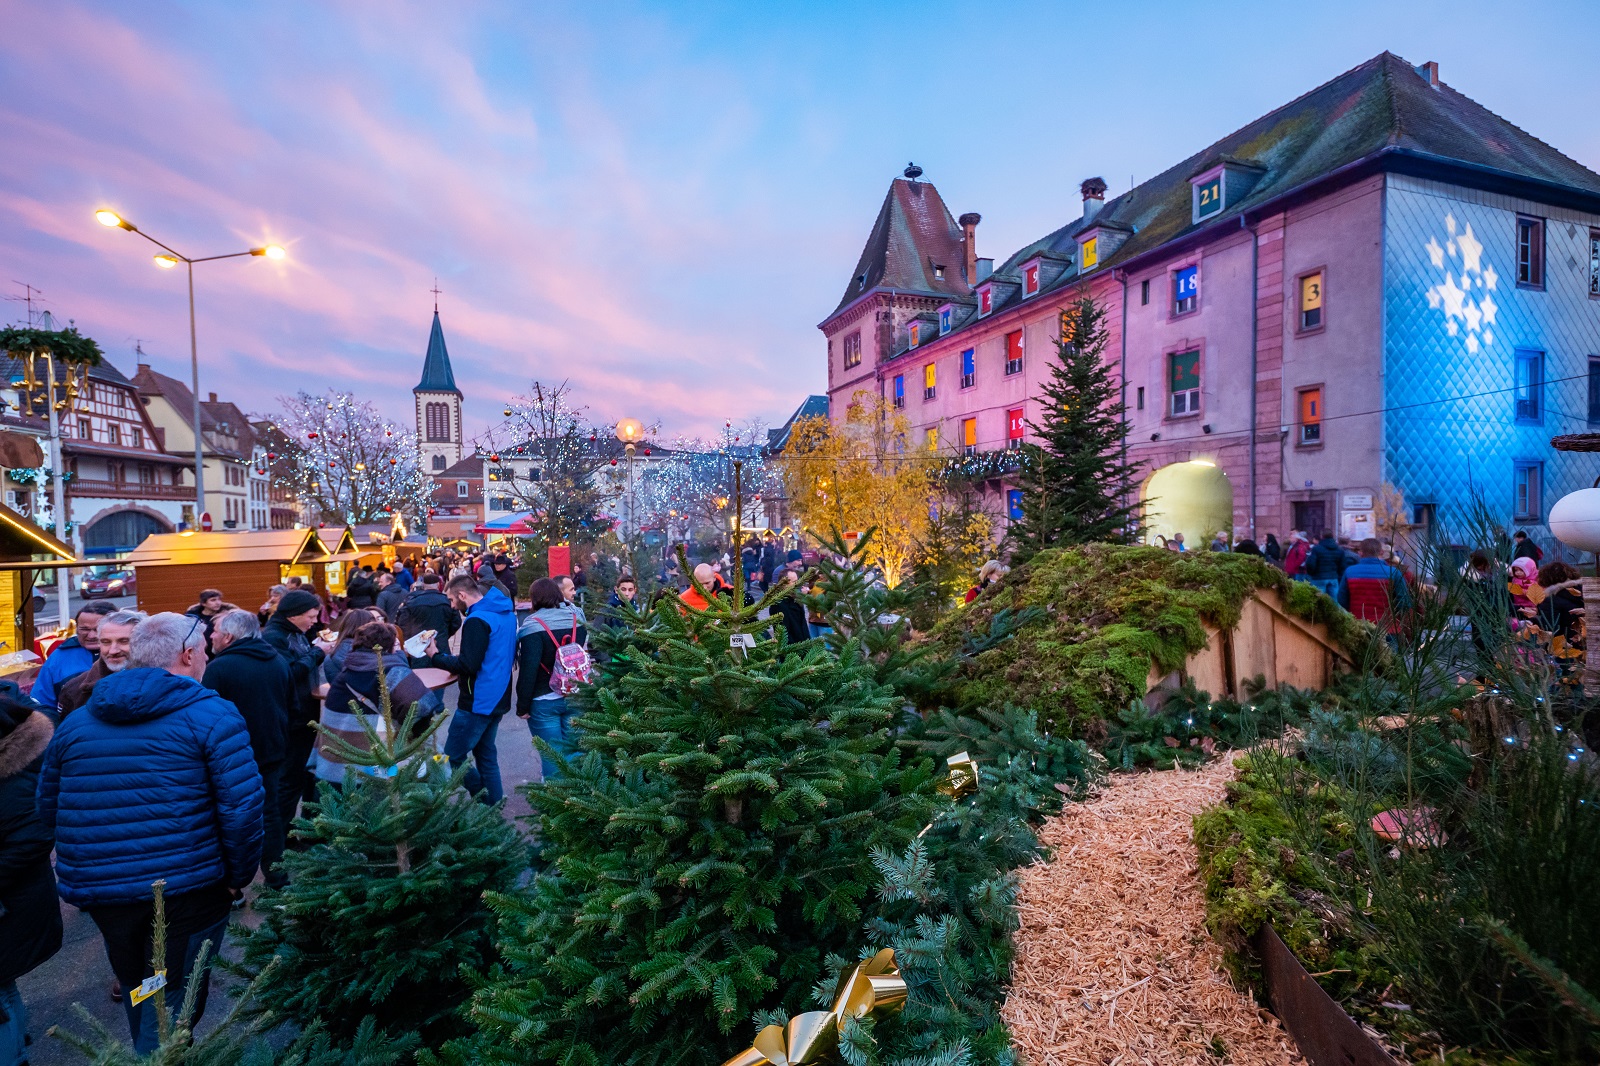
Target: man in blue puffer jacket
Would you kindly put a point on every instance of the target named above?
(154, 780)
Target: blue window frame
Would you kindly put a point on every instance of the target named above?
(969, 370)
(944, 321)
(1014, 503)
(1527, 492)
(899, 390)
(1185, 290)
(1529, 387)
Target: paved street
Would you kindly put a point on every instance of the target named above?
(79, 973)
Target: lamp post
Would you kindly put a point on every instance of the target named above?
(630, 431)
(167, 261)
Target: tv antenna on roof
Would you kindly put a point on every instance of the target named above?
(30, 294)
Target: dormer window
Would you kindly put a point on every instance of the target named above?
(938, 271)
(915, 332)
(1088, 254)
(1225, 183)
(947, 316)
(985, 300)
(1030, 279)
(1207, 193)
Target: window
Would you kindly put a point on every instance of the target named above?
(946, 317)
(1014, 427)
(969, 436)
(461, 490)
(1183, 377)
(114, 433)
(930, 381)
(438, 462)
(1138, 403)
(147, 474)
(852, 350)
(1014, 504)
(138, 437)
(899, 390)
(1528, 491)
(985, 300)
(1144, 292)
(1594, 388)
(1311, 301)
(1014, 352)
(930, 437)
(436, 421)
(1030, 279)
(83, 429)
(1594, 262)
(1090, 254)
(1185, 290)
(1310, 416)
(1530, 387)
(1208, 196)
(938, 271)
(969, 370)
(914, 331)
(1530, 252)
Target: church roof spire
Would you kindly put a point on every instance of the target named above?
(436, 373)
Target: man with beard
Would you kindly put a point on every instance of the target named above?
(115, 635)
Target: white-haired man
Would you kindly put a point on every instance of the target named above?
(115, 638)
(153, 779)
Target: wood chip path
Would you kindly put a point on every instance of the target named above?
(1114, 964)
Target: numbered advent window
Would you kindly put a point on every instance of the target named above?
(1310, 416)
(1014, 427)
(899, 390)
(1183, 379)
(969, 369)
(1014, 352)
(969, 436)
(1311, 301)
(930, 381)
(1185, 290)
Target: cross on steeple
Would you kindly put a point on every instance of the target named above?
(435, 290)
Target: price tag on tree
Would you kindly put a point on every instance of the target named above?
(148, 987)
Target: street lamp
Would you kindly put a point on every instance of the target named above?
(630, 431)
(168, 259)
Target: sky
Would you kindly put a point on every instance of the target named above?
(656, 202)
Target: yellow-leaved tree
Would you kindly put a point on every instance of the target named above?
(860, 473)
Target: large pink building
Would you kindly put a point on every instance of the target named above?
(1292, 312)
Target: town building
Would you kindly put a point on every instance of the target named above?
(235, 476)
(1380, 299)
(455, 507)
(276, 458)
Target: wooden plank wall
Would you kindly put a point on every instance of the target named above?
(177, 588)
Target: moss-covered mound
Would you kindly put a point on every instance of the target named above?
(1110, 612)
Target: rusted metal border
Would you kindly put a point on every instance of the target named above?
(1326, 1035)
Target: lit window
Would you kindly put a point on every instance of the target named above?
(946, 314)
(969, 369)
(1530, 387)
(1090, 255)
(852, 350)
(969, 436)
(930, 437)
(1014, 352)
(1528, 491)
(1014, 427)
(899, 390)
(938, 271)
(915, 332)
(1183, 377)
(985, 300)
(1310, 416)
(1311, 301)
(1530, 252)
(1030, 279)
(1185, 290)
(930, 381)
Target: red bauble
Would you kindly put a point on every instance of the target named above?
(613, 462)
(312, 434)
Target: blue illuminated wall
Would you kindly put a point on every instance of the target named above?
(1454, 320)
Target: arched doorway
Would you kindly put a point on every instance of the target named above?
(1193, 498)
(120, 532)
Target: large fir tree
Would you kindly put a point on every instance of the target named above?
(1077, 487)
(707, 851)
(384, 913)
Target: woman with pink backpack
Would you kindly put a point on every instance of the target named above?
(553, 660)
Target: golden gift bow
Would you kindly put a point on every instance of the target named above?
(874, 984)
(963, 776)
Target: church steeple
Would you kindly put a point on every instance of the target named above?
(439, 436)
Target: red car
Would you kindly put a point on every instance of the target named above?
(109, 586)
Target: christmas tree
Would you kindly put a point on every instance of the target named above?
(1077, 487)
(708, 850)
(384, 912)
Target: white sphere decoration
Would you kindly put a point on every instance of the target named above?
(1575, 520)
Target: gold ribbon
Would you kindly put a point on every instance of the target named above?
(963, 776)
(874, 984)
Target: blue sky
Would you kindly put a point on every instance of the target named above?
(656, 201)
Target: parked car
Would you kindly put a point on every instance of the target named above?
(109, 585)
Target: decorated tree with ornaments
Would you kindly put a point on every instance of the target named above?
(349, 462)
(694, 489)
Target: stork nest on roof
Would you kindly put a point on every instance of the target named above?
(1576, 442)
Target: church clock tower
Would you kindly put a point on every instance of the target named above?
(438, 406)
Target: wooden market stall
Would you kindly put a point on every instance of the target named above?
(25, 549)
(174, 567)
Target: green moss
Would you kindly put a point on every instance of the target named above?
(1111, 613)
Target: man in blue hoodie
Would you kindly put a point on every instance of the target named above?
(72, 656)
(488, 649)
(154, 780)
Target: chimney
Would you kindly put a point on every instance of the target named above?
(142, 368)
(969, 226)
(985, 268)
(1429, 72)
(213, 398)
(1094, 197)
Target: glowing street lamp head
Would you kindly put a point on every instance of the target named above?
(271, 251)
(630, 430)
(112, 220)
(166, 262)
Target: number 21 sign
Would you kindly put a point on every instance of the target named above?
(1209, 197)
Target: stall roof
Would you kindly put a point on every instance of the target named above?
(21, 539)
(281, 545)
(341, 539)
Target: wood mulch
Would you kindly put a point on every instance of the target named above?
(1114, 964)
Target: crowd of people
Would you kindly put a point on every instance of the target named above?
(180, 747)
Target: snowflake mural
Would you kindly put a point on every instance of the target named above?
(1465, 296)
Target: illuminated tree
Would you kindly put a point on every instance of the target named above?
(564, 498)
(352, 464)
(693, 487)
(861, 473)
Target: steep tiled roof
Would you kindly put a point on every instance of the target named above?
(914, 233)
(213, 414)
(436, 373)
(814, 406)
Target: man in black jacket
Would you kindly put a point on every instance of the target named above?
(360, 592)
(249, 673)
(428, 608)
(30, 915)
(390, 595)
(298, 612)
